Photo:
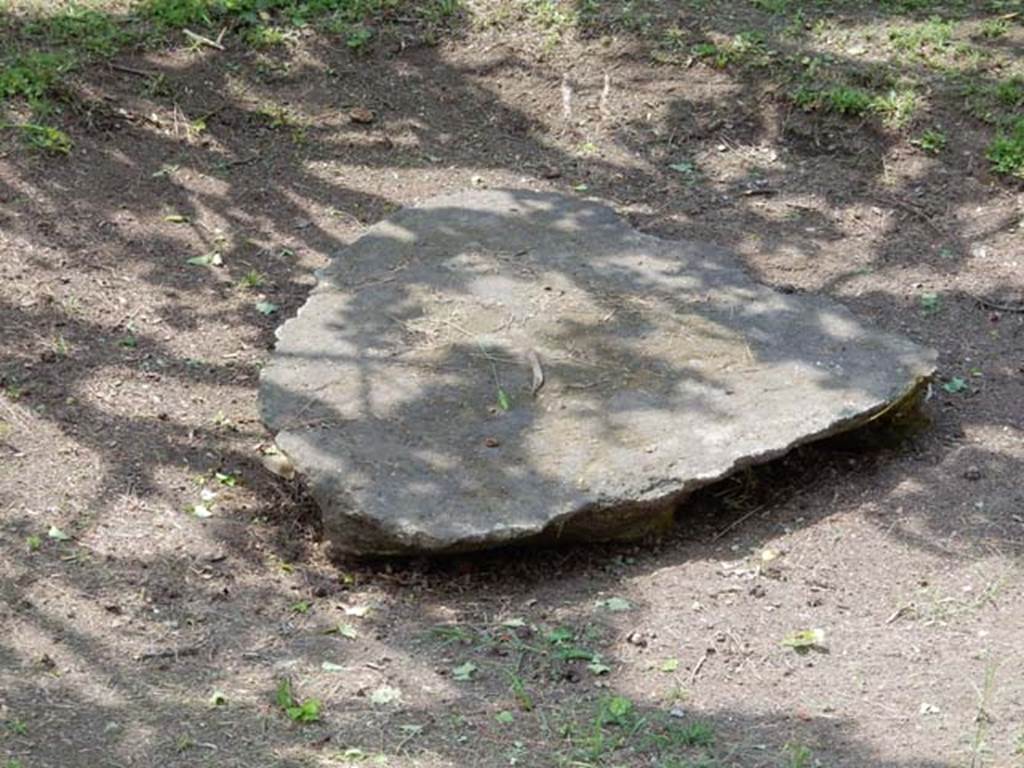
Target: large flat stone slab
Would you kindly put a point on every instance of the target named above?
(499, 365)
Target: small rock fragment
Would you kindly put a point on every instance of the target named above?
(361, 115)
(637, 638)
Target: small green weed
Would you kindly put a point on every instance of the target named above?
(306, 712)
(60, 346)
(357, 37)
(615, 710)
(675, 737)
(1006, 152)
(932, 141)
(43, 138)
(797, 755)
(896, 107)
(929, 302)
(265, 36)
(253, 279)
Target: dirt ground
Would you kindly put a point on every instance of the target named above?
(157, 584)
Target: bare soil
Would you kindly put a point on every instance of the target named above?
(129, 380)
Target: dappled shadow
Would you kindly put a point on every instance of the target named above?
(134, 372)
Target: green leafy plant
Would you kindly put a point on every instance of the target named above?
(931, 141)
(307, 711)
(31, 74)
(464, 672)
(615, 710)
(805, 640)
(357, 37)
(956, 385)
(252, 279)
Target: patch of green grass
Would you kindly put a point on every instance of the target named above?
(619, 733)
(1006, 152)
(896, 106)
(265, 36)
(252, 279)
(934, 33)
(43, 138)
(841, 99)
(675, 737)
(554, 17)
(993, 28)
(1009, 93)
(439, 11)
(932, 141)
(797, 755)
(910, 6)
(32, 74)
(777, 7)
(82, 29)
(746, 48)
(176, 14)
(996, 102)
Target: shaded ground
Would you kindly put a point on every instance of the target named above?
(129, 383)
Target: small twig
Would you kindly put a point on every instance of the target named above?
(241, 161)
(172, 653)
(538, 372)
(204, 40)
(899, 613)
(914, 211)
(735, 523)
(696, 669)
(993, 305)
(133, 71)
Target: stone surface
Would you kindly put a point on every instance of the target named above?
(501, 365)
